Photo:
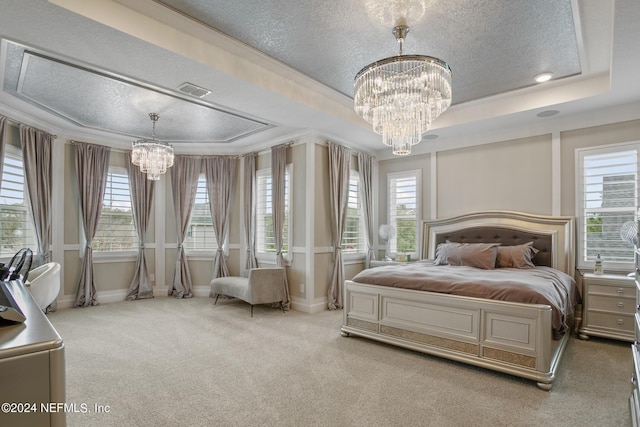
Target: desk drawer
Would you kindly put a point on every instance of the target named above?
(621, 322)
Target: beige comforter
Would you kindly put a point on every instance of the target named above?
(539, 285)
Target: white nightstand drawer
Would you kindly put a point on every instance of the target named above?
(613, 290)
(621, 322)
(612, 304)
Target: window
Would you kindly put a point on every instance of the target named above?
(116, 230)
(265, 238)
(353, 237)
(200, 235)
(403, 193)
(607, 198)
(16, 225)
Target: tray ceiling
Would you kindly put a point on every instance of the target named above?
(277, 69)
(492, 46)
(104, 101)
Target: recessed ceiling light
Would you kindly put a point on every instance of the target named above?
(547, 113)
(430, 136)
(543, 77)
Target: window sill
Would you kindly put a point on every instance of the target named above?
(270, 259)
(107, 257)
(353, 258)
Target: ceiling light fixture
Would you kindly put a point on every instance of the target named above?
(152, 156)
(543, 77)
(402, 95)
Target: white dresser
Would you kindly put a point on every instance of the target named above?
(634, 400)
(32, 367)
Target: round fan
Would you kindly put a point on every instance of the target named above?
(387, 232)
(629, 232)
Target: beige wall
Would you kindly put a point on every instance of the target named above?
(71, 198)
(509, 175)
(513, 175)
(297, 268)
(323, 260)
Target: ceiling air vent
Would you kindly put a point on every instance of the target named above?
(193, 90)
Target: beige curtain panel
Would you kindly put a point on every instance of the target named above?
(184, 182)
(365, 166)
(92, 167)
(249, 201)
(36, 154)
(278, 171)
(220, 172)
(339, 168)
(141, 206)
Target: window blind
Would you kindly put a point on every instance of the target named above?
(403, 215)
(353, 236)
(265, 238)
(608, 198)
(16, 225)
(201, 235)
(116, 230)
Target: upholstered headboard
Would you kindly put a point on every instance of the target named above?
(552, 236)
(504, 236)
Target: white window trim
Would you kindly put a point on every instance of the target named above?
(269, 258)
(581, 263)
(417, 173)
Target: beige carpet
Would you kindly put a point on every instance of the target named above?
(168, 362)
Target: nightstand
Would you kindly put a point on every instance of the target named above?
(608, 306)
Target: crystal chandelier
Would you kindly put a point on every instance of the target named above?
(401, 95)
(152, 156)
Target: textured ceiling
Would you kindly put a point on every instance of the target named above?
(492, 46)
(93, 99)
(278, 69)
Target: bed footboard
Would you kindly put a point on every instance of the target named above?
(513, 338)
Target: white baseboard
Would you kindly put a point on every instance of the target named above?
(106, 297)
(317, 306)
(201, 291)
(103, 297)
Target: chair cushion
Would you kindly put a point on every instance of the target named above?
(233, 286)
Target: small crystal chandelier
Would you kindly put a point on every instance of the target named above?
(401, 95)
(152, 156)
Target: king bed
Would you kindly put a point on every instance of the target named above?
(493, 289)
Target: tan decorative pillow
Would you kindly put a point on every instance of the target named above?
(478, 255)
(519, 256)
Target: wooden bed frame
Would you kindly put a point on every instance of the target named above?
(513, 338)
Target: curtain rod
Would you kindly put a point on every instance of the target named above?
(16, 122)
(117, 150)
(124, 150)
(352, 149)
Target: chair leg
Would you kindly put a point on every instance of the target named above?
(251, 310)
(216, 301)
(282, 307)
